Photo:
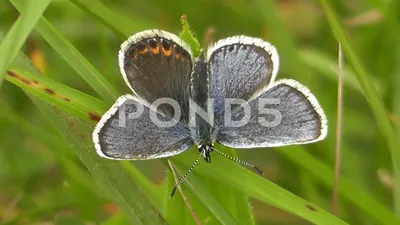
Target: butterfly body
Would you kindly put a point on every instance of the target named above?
(199, 97)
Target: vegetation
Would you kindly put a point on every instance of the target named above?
(59, 74)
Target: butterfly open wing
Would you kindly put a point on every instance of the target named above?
(157, 64)
(284, 114)
(122, 134)
(240, 66)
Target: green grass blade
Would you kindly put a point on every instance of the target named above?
(206, 198)
(76, 103)
(19, 33)
(176, 211)
(74, 58)
(355, 198)
(152, 192)
(111, 176)
(119, 23)
(374, 101)
(392, 21)
(235, 202)
(52, 141)
(353, 193)
(348, 189)
(327, 66)
(259, 188)
(113, 179)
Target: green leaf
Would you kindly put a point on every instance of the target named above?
(19, 33)
(74, 58)
(188, 36)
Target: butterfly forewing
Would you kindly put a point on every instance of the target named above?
(157, 64)
(240, 66)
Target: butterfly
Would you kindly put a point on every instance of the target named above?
(181, 101)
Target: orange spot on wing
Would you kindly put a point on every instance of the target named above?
(155, 50)
(143, 51)
(167, 52)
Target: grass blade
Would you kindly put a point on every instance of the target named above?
(121, 24)
(369, 204)
(322, 172)
(19, 33)
(322, 63)
(74, 58)
(259, 188)
(202, 193)
(76, 103)
(348, 189)
(113, 178)
(374, 101)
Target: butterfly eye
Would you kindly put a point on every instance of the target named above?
(231, 48)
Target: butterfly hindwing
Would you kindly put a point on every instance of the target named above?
(123, 134)
(284, 114)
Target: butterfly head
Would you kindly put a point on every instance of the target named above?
(206, 149)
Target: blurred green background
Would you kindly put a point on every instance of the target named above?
(38, 183)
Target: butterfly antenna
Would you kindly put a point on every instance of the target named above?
(239, 161)
(185, 176)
